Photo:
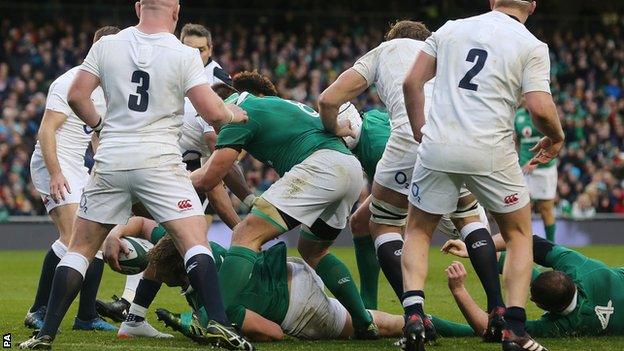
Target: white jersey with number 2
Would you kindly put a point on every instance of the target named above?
(484, 65)
(145, 78)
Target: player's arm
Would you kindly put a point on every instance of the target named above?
(539, 102)
(221, 203)
(210, 138)
(476, 317)
(414, 91)
(212, 109)
(212, 173)
(137, 227)
(258, 328)
(79, 98)
(348, 86)
(235, 181)
(51, 122)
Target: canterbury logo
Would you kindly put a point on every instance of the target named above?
(185, 204)
(511, 199)
(604, 314)
(478, 244)
(191, 266)
(344, 280)
(398, 252)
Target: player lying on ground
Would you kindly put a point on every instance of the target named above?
(581, 296)
(320, 182)
(283, 296)
(58, 173)
(371, 133)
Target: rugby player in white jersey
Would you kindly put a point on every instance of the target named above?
(145, 72)
(482, 65)
(386, 66)
(58, 173)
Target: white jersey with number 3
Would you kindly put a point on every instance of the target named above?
(145, 78)
(484, 65)
(386, 66)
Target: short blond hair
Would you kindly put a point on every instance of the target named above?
(524, 5)
(408, 29)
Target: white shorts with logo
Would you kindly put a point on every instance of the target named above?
(76, 174)
(311, 313)
(166, 192)
(325, 185)
(394, 169)
(542, 183)
(437, 192)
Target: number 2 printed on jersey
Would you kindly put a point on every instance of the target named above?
(480, 56)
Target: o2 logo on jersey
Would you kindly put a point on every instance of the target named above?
(88, 130)
(401, 179)
(416, 192)
(83, 203)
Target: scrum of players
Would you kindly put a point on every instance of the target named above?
(168, 126)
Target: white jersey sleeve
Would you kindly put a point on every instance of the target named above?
(57, 98)
(367, 66)
(91, 62)
(536, 75)
(194, 74)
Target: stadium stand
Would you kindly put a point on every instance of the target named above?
(587, 82)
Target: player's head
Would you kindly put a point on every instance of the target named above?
(223, 90)
(408, 29)
(348, 112)
(165, 259)
(553, 291)
(199, 37)
(158, 12)
(526, 6)
(106, 30)
(254, 83)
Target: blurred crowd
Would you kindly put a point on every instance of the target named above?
(587, 83)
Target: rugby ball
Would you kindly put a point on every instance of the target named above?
(136, 260)
(348, 112)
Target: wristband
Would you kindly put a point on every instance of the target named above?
(98, 127)
(249, 200)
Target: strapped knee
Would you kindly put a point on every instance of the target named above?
(265, 210)
(385, 213)
(320, 231)
(468, 210)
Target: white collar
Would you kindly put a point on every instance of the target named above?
(572, 306)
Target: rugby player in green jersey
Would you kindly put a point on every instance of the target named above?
(320, 181)
(542, 180)
(581, 296)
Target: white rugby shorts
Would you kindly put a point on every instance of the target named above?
(394, 169)
(325, 185)
(542, 183)
(311, 313)
(166, 192)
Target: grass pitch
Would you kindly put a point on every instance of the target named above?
(19, 274)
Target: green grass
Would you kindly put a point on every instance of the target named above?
(19, 274)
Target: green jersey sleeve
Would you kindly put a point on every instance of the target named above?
(157, 233)
(571, 262)
(237, 134)
(451, 329)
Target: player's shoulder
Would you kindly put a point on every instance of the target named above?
(400, 43)
(63, 82)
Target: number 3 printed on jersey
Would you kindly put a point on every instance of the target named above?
(138, 102)
(480, 56)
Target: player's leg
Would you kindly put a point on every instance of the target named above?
(367, 264)
(313, 246)
(71, 270)
(504, 193)
(63, 218)
(386, 227)
(431, 195)
(87, 317)
(546, 209)
(470, 217)
(261, 225)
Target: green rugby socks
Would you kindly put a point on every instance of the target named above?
(235, 271)
(550, 231)
(368, 268)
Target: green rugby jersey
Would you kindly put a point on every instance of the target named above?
(266, 293)
(280, 133)
(600, 298)
(373, 138)
(599, 303)
(528, 136)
